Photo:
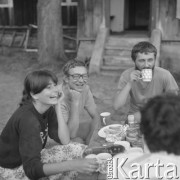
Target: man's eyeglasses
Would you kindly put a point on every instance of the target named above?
(78, 76)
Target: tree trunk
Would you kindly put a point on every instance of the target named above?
(50, 33)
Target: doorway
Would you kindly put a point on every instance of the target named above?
(137, 15)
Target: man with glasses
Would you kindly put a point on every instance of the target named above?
(77, 98)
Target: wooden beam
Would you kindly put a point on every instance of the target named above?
(27, 37)
(107, 13)
(22, 40)
(178, 9)
(7, 4)
(97, 15)
(69, 37)
(89, 7)
(98, 51)
(69, 27)
(87, 39)
(13, 27)
(154, 14)
(156, 41)
(81, 19)
(31, 50)
(84, 39)
(11, 16)
(13, 37)
(2, 34)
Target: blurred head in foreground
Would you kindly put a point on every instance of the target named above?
(160, 123)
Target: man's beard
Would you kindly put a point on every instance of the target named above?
(136, 68)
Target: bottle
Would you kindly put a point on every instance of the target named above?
(131, 120)
(133, 132)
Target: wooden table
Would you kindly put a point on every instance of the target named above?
(96, 141)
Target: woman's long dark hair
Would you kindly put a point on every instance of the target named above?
(35, 82)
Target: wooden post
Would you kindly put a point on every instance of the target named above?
(11, 16)
(103, 23)
(27, 37)
(13, 37)
(154, 14)
(156, 41)
(81, 20)
(98, 51)
(88, 18)
(107, 13)
(50, 35)
(178, 9)
(2, 34)
(97, 16)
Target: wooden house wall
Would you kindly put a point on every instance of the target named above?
(25, 12)
(168, 23)
(4, 16)
(89, 17)
(90, 14)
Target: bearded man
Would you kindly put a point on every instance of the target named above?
(132, 84)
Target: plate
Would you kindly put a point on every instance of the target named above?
(135, 150)
(90, 156)
(101, 132)
(126, 144)
(114, 138)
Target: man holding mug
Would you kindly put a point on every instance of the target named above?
(144, 80)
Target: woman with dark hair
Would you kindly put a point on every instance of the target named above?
(22, 141)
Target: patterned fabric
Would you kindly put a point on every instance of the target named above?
(58, 153)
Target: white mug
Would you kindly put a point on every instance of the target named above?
(102, 160)
(105, 117)
(146, 75)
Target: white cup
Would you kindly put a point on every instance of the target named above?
(105, 117)
(146, 75)
(102, 159)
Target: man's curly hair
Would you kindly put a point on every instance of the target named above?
(160, 123)
(72, 64)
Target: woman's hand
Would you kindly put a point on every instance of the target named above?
(85, 165)
(60, 93)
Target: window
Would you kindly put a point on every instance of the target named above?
(69, 12)
(6, 3)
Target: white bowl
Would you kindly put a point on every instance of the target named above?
(91, 156)
(135, 150)
(103, 156)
